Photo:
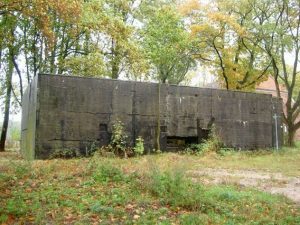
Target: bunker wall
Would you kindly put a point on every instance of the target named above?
(28, 124)
(75, 112)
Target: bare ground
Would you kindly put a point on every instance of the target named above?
(274, 183)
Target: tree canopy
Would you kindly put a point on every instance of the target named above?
(241, 42)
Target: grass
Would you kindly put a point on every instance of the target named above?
(145, 190)
(285, 161)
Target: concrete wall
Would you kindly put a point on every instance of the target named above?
(28, 124)
(74, 112)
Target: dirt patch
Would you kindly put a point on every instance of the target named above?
(274, 183)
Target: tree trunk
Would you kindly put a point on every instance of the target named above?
(115, 60)
(291, 136)
(115, 70)
(7, 102)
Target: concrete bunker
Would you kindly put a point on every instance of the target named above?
(68, 112)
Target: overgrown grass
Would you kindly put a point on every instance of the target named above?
(221, 204)
(148, 190)
(285, 161)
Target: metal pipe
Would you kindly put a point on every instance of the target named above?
(276, 131)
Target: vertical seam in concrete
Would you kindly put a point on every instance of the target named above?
(37, 113)
(211, 103)
(133, 114)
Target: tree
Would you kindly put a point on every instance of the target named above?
(26, 29)
(89, 38)
(282, 38)
(50, 36)
(227, 30)
(168, 45)
(247, 40)
(111, 23)
(10, 23)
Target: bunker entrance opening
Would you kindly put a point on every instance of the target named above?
(175, 143)
(203, 134)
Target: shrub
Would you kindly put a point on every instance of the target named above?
(91, 147)
(192, 149)
(139, 146)
(212, 144)
(118, 138)
(118, 143)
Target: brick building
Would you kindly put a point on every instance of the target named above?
(269, 87)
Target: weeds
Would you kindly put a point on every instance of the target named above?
(213, 204)
(108, 191)
(172, 188)
(66, 153)
(21, 169)
(108, 173)
(118, 145)
(139, 146)
(212, 144)
(119, 139)
(91, 148)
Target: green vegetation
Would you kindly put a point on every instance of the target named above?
(285, 161)
(13, 135)
(162, 40)
(212, 144)
(168, 46)
(119, 146)
(144, 190)
(119, 139)
(139, 146)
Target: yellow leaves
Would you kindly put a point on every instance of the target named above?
(188, 7)
(215, 22)
(99, 18)
(204, 28)
(229, 20)
(135, 217)
(44, 12)
(220, 29)
(238, 69)
(196, 28)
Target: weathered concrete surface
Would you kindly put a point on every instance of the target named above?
(73, 112)
(28, 125)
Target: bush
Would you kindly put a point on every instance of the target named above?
(118, 138)
(91, 147)
(212, 144)
(118, 144)
(192, 149)
(139, 146)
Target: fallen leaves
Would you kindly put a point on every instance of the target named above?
(64, 197)
(135, 217)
